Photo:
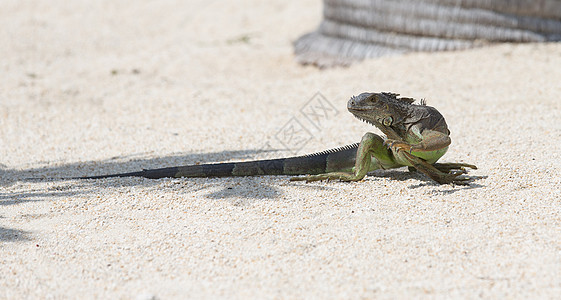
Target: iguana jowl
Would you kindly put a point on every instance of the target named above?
(416, 136)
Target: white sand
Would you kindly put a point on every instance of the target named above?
(93, 87)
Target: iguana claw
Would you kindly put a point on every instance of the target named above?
(453, 170)
(447, 167)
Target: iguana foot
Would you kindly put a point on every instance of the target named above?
(451, 173)
(453, 177)
(449, 167)
(442, 173)
(342, 176)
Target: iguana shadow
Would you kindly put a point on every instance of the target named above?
(13, 235)
(256, 188)
(402, 174)
(60, 186)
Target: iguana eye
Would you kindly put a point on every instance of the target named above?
(387, 121)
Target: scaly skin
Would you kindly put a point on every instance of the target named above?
(417, 136)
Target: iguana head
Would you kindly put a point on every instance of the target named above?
(383, 110)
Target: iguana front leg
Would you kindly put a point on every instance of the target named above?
(431, 140)
(453, 170)
(371, 145)
(423, 155)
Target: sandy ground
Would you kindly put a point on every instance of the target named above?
(93, 87)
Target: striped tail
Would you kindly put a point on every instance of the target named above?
(338, 159)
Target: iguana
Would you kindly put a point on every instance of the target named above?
(416, 136)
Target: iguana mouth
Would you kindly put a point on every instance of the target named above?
(351, 109)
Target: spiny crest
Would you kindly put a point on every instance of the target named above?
(404, 100)
(343, 148)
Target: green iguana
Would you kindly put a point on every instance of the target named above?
(417, 136)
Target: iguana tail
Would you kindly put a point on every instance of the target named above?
(338, 159)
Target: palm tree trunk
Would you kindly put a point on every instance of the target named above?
(357, 29)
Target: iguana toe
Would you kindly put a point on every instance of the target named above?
(448, 167)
